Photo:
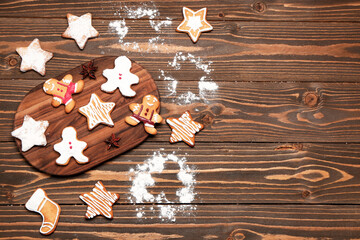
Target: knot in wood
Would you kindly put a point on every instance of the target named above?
(310, 99)
(305, 194)
(221, 14)
(207, 119)
(259, 7)
(12, 61)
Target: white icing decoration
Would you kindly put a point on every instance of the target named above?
(183, 129)
(33, 57)
(194, 22)
(97, 112)
(120, 77)
(69, 147)
(31, 133)
(80, 29)
(99, 201)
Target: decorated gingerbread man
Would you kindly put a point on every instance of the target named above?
(146, 113)
(62, 91)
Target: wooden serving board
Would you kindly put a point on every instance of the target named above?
(37, 104)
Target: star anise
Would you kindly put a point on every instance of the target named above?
(112, 141)
(88, 70)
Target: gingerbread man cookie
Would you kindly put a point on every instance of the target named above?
(62, 91)
(69, 147)
(120, 77)
(146, 113)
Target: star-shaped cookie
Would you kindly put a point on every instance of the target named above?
(184, 129)
(97, 112)
(33, 57)
(31, 133)
(194, 23)
(80, 29)
(120, 77)
(99, 201)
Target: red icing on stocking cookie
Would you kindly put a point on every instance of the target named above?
(48, 209)
(62, 91)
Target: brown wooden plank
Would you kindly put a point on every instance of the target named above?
(37, 104)
(243, 112)
(244, 10)
(240, 51)
(231, 222)
(224, 173)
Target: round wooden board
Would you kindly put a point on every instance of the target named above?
(37, 104)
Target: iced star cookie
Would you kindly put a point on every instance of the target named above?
(146, 113)
(184, 129)
(97, 112)
(33, 57)
(120, 77)
(194, 23)
(62, 91)
(99, 201)
(49, 210)
(80, 29)
(69, 147)
(31, 133)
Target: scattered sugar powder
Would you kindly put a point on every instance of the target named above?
(142, 179)
(143, 11)
(157, 25)
(206, 85)
(119, 27)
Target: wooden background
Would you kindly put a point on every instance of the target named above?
(279, 157)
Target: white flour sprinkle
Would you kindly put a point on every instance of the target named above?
(143, 11)
(206, 85)
(119, 27)
(142, 179)
(157, 25)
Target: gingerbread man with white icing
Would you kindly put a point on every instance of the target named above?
(146, 113)
(62, 91)
(69, 147)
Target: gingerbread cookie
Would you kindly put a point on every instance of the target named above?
(99, 201)
(69, 147)
(80, 29)
(62, 91)
(146, 113)
(49, 210)
(120, 77)
(31, 133)
(194, 23)
(184, 129)
(97, 112)
(33, 57)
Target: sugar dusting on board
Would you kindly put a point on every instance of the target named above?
(206, 85)
(142, 179)
(146, 10)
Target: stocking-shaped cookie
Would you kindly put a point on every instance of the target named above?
(62, 91)
(146, 113)
(69, 147)
(48, 209)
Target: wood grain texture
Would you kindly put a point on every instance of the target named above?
(243, 112)
(231, 222)
(304, 173)
(239, 51)
(244, 10)
(37, 104)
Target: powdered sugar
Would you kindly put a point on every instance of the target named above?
(119, 26)
(150, 11)
(142, 179)
(206, 85)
